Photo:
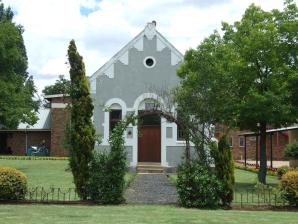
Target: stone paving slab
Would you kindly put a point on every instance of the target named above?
(151, 189)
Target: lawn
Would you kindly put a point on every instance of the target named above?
(47, 173)
(31, 214)
(247, 180)
(51, 174)
(244, 180)
(56, 173)
(43, 173)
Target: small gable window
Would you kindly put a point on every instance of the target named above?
(149, 62)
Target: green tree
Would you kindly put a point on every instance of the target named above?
(265, 48)
(81, 133)
(245, 78)
(61, 86)
(16, 87)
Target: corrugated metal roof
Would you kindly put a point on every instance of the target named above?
(294, 127)
(44, 120)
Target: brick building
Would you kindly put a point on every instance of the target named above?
(49, 130)
(279, 141)
(247, 144)
(15, 141)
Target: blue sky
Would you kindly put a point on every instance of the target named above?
(86, 10)
(101, 28)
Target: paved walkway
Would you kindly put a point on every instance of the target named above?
(151, 189)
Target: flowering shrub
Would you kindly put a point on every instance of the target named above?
(271, 172)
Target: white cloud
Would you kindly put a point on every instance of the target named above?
(51, 24)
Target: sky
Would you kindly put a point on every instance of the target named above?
(102, 27)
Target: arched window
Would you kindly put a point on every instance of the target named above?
(115, 115)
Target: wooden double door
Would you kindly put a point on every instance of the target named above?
(149, 141)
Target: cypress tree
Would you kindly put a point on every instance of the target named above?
(224, 168)
(81, 136)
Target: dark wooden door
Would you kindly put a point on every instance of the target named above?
(149, 144)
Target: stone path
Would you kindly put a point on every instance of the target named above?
(151, 189)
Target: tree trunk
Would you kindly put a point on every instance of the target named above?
(187, 149)
(263, 157)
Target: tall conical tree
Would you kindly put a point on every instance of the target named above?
(224, 168)
(81, 131)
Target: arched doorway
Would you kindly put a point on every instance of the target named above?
(149, 139)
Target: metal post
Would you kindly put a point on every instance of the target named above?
(271, 156)
(257, 151)
(26, 134)
(245, 150)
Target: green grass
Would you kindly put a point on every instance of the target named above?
(247, 180)
(56, 174)
(48, 173)
(35, 214)
(243, 180)
(43, 173)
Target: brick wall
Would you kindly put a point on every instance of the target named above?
(59, 117)
(17, 140)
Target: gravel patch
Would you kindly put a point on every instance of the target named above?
(151, 189)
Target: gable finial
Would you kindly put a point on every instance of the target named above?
(150, 31)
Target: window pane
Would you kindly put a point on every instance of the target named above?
(150, 120)
(116, 114)
(115, 117)
(180, 133)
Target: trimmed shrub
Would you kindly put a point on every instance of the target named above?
(13, 184)
(291, 150)
(289, 187)
(197, 186)
(282, 170)
(107, 170)
(104, 188)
